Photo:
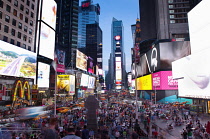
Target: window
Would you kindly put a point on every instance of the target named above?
(19, 35)
(8, 8)
(24, 46)
(31, 22)
(27, 11)
(6, 28)
(30, 31)
(7, 18)
(13, 32)
(29, 40)
(14, 12)
(26, 19)
(28, 2)
(5, 38)
(1, 4)
(32, 6)
(25, 28)
(12, 41)
(16, 3)
(170, 1)
(29, 48)
(171, 6)
(21, 7)
(171, 16)
(172, 21)
(18, 43)
(21, 16)
(0, 15)
(24, 37)
(32, 14)
(171, 11)
(20, 25)
(13, 22)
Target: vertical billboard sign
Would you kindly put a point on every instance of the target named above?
(84, 80)
(46, 28)
(72, 85)
(91, 82)
(43, 75)
(63, 84)
(60, 59)
(163, 80)
(81, 61)
(16, 61)
(78, 79)
(90, 65)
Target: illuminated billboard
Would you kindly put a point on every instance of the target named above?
(60, 59)
(118, 75)
(49, 12)
(72, 85)
(133, 84)
(145, 82)
(81, 61)
(91, 82)
(118, 59)
(129, 80)
(193, 75)
(43, 74)
(63, 83)
(163, 80)
(84, 80)
(78, 79)
(16, 61)
(46, 42)
(118, 66)
(90, 65)
(138, 84)
(199, 26)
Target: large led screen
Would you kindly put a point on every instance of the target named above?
(90, 65)
(63, 84)
(60, 59)
(129, 80)
(91, 82)
(49, 12)
(118, 59)
(72, 85)
(194, 76)
(118, 75)
(145, 82)
(43, 74)
(199, 27)
(163, 80)
(81, 61)
(118, 66)
(16, 61)
(84, 80)
(46, 42)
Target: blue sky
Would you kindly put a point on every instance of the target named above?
(125, 10)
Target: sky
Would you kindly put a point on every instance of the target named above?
(125, 10)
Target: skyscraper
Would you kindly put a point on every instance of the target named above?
(88, 14)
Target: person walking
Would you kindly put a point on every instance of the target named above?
(50, 132)
(85, 133)
(71, 134)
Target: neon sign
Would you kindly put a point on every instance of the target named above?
(85, 4)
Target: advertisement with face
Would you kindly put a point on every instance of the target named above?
(72, 85)
(81, 61)
(194, 78)
(16, 61)
(90, 65)
(91, 82)
(163, 80)
(49, 9)
(60, 58)
(145, 82)
(84, 80)
(43, 74)
(46, 42)
(63, 84)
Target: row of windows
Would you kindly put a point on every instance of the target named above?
(19, 34)
(178, 21)
(178, 5)
(172, 1)
(179, 11)
(12, 41)
(8, 9)
(21, 6)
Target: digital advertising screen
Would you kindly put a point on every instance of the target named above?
(118, 65)
(49, 12)
(193, 75)
(199, 27)
(91, 82)
(129, 80)
(145, 82)
(46, 42)
(133, 84)
(63, 84)
(100, 72)
(118, 75)
(118, 59)
(43, 74)
(90, 65)
(78, 79)
(81, 61)
(16, 61)
(60, 59)
(72, 85)
(163, 80)
(84, 80)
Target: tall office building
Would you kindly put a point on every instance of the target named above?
(67, 29)
(88, 14)
(117, 37)
(18, 22)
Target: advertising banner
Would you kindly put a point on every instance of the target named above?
(72, 85)
(90, 65)
(63, 84)
(78, 79)
(60, 58)
(43, 74)
(138, 84)
(194, 76)
(145, 82)
(16, 61)
(163, 80)
(91, 82)
(81, 61)
(133, 84)
(129, 80)
(84, 80)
